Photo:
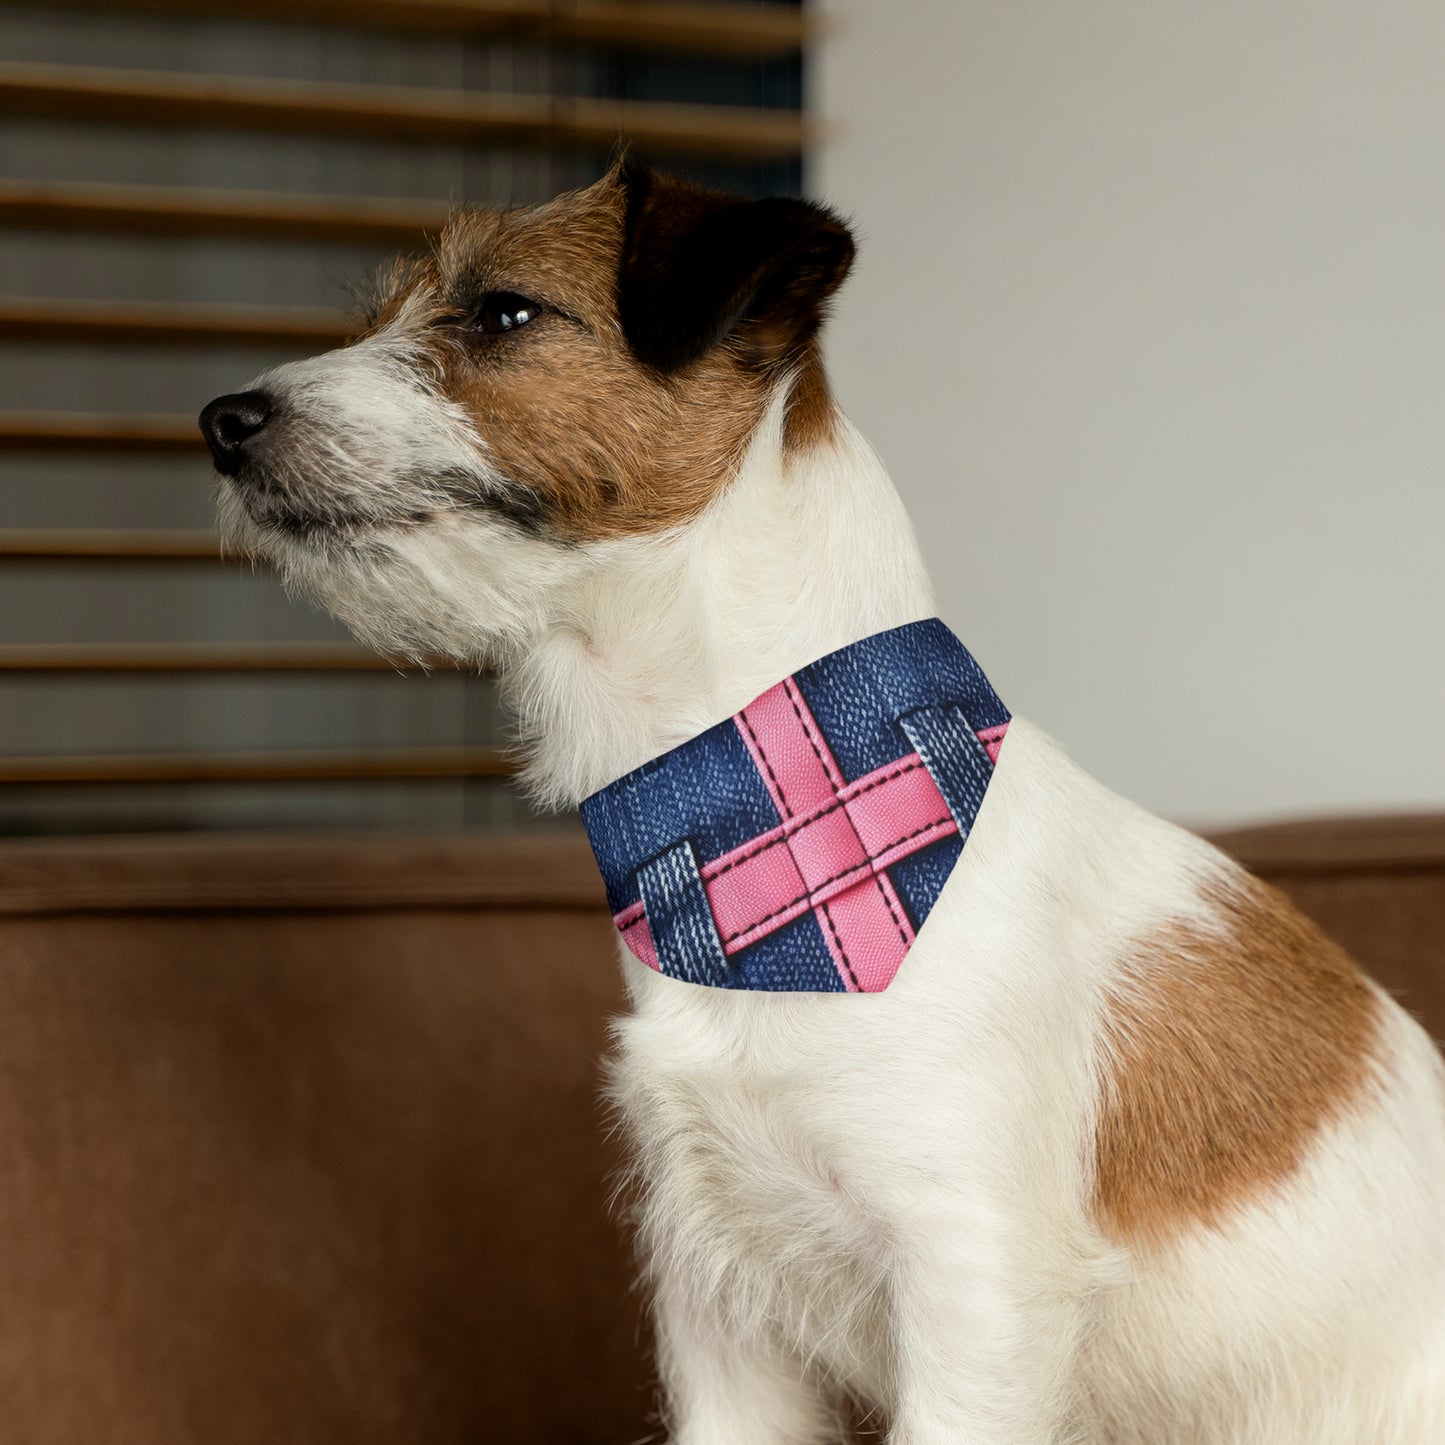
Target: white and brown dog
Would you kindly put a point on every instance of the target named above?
(1128, 1153)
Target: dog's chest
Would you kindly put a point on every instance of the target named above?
(746, 1183)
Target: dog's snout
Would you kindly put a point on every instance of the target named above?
(229, 422)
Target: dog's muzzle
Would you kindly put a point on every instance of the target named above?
(230, 422)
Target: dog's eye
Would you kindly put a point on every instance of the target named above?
(504, 311)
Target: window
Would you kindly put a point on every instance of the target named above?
(184, 196)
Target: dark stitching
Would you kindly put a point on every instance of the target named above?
(867, 863)
(842, 952)
(808, 821)
(893, 912)
(807, 731)
(813, 817)
(791, 688)
(772, 777)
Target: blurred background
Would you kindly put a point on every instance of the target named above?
(1149, 324)
(1146, 323)
(187, 191)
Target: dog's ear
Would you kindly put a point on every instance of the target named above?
(699, 266)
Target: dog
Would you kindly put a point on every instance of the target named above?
(1127, 1153)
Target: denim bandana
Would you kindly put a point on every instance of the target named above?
(799, 846)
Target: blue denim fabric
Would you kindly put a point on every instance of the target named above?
(956, 761)
(914, 688)
(678, 915)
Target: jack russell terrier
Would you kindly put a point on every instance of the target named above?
(1113, 1148)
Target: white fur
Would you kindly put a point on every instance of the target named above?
(891, 1194)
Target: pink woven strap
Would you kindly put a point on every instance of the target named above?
(829, 854)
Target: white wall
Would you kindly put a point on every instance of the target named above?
(1149, 323)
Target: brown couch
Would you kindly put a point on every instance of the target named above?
(300, 1139)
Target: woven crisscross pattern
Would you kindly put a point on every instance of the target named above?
(827, 856)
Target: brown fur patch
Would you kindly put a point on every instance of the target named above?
(604, 445)
(812, 413)
(1226, 1053)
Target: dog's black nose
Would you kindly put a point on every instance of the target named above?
(229, 422)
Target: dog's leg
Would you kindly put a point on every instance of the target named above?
(984, 1349)
(721, 1388)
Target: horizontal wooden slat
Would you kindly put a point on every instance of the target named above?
(259, 767)
(75, 544)
(174, 210)
(219, 102)
(132, 657)
(83, 431)
(550, 867)
(171, 323)
(755, 31)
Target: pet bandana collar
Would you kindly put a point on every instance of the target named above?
(800, 845)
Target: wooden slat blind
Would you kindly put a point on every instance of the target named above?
(96, 544)
(76, 431)
(277, 766)
(196, 657)
(326, 108)
(710, 29)
(173, 211)
(109, 96)
(96, 322)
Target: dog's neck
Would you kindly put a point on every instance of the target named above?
(804, 553)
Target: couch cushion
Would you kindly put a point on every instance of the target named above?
(303, 1143)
